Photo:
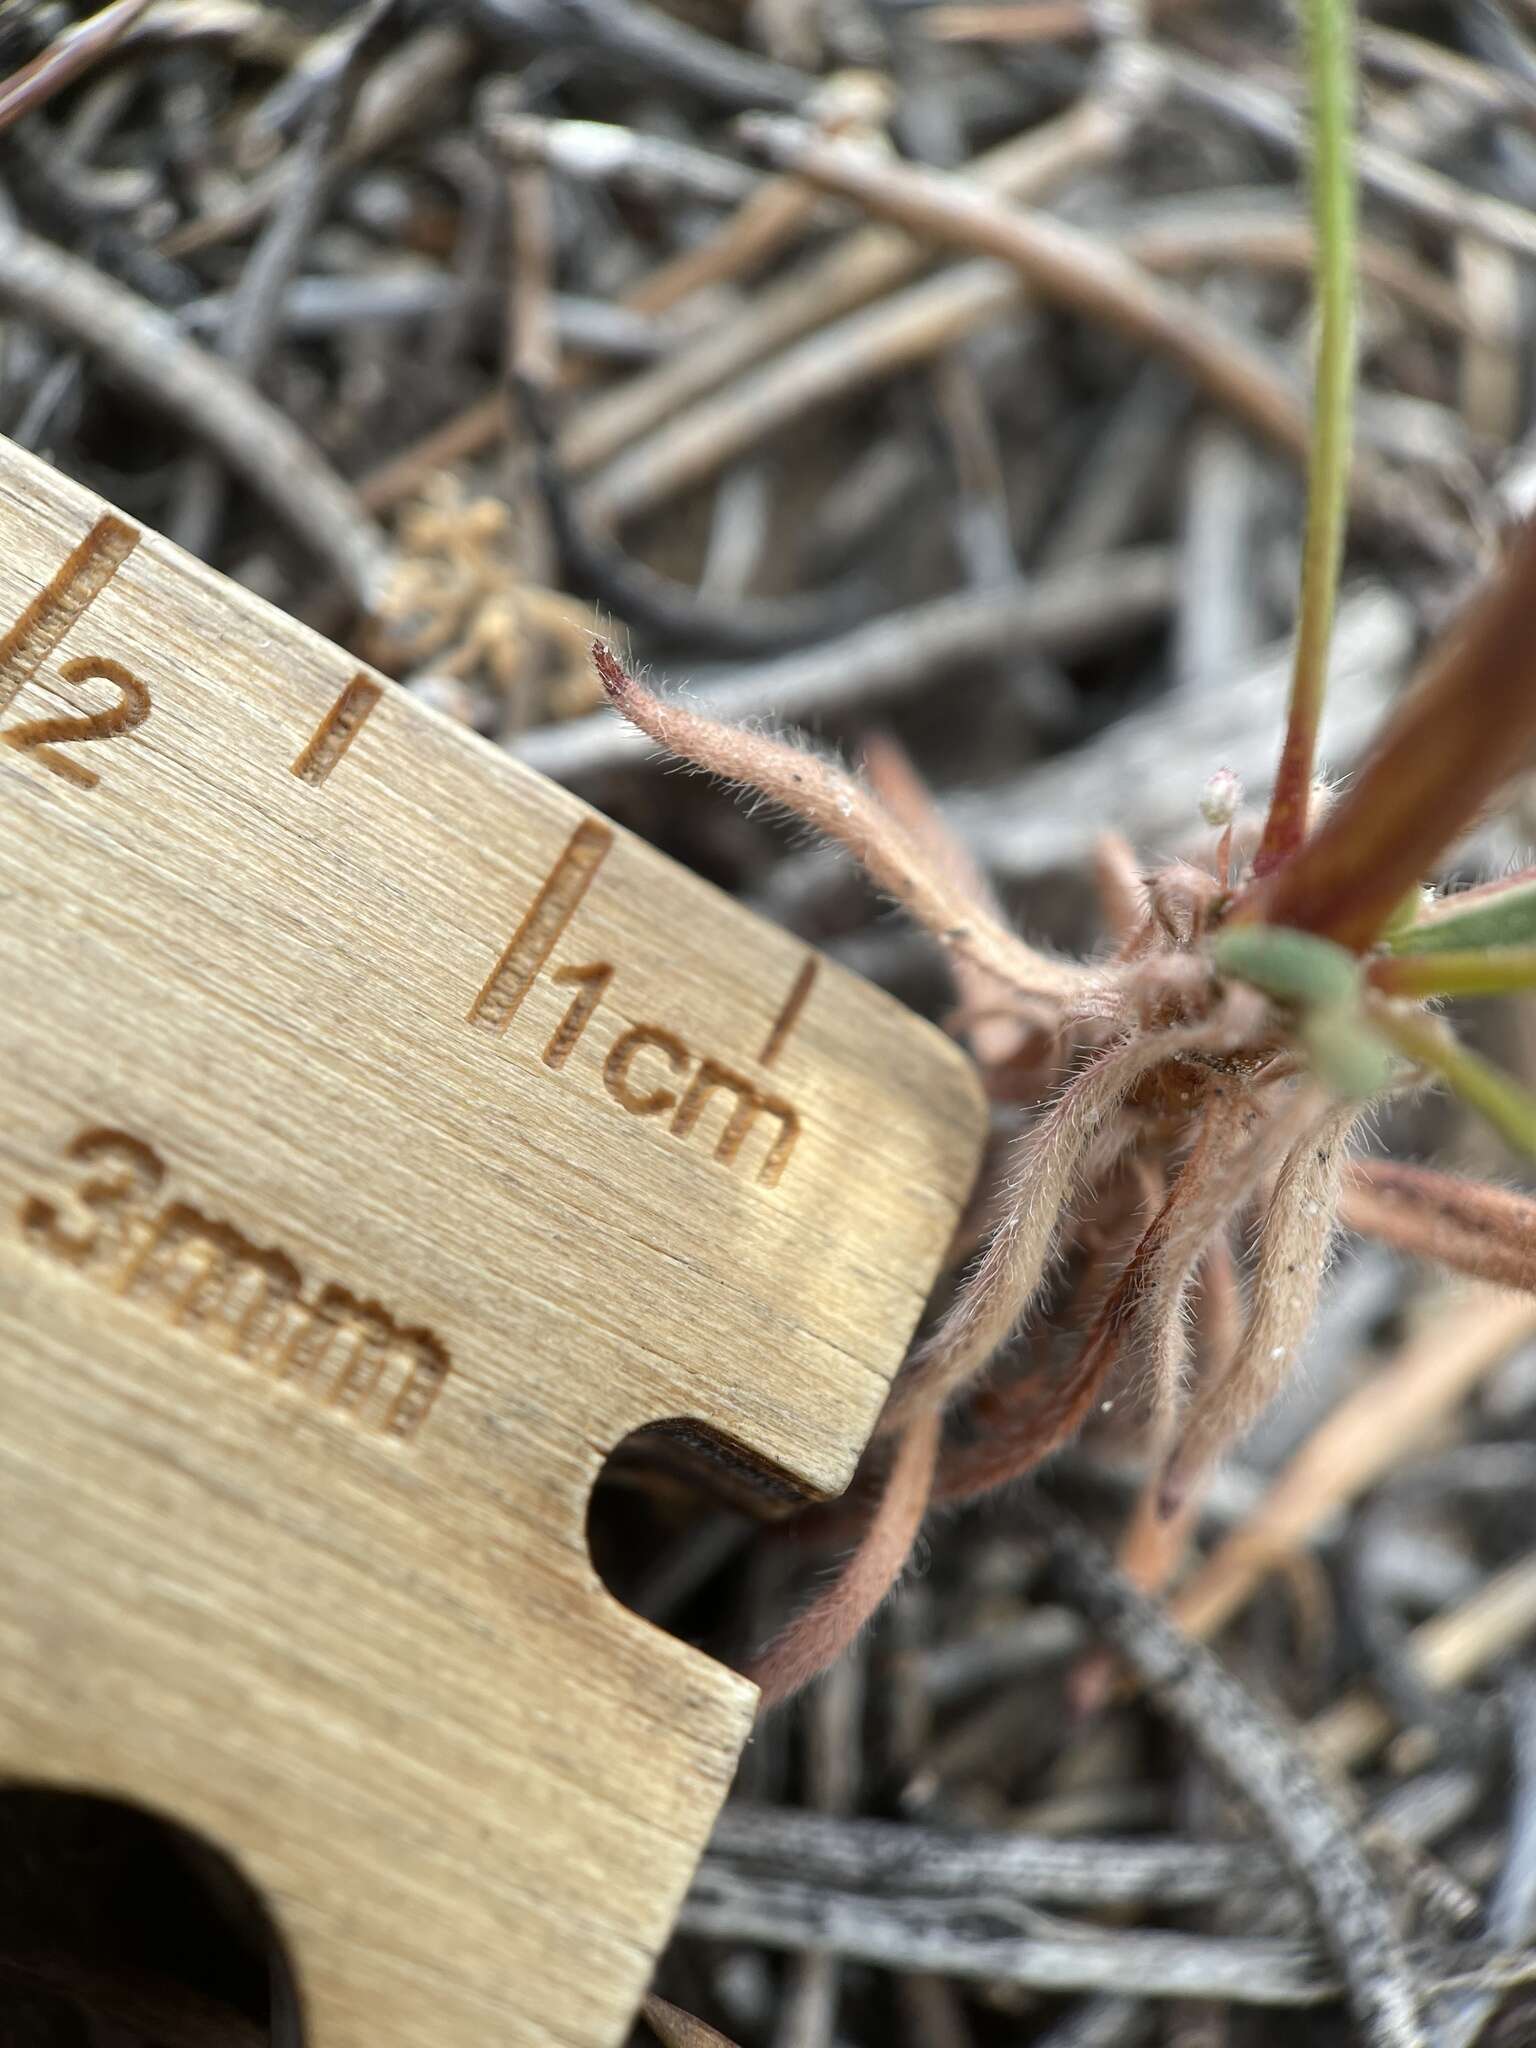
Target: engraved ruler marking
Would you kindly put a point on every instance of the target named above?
(202, 1275)
(789, 1016)
(748, 1103)
(83, 577)
(337, 730)
(593, 985)
(648, 1070)
(538, 934)
(131, 709)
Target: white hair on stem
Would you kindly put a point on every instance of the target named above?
(1050, 1162)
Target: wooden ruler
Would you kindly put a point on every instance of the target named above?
(383, 1137)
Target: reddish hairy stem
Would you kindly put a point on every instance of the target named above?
(1467, 725)
(816, 1638)
(825, 796)
(1015, 1443)
(1293, 1255)
(1022, 1425)
(1487, 1232)
(992, 1025)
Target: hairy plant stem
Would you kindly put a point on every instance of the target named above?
(1330, 42)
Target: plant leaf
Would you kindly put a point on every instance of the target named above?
(1292, 966)
(1488, 1232)
(1293, 1257)
(822, 793)
(1322, 981)
(1498, 914)
(1346, 1055)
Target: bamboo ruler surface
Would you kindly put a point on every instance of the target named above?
(383, 1137)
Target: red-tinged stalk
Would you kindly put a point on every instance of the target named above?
(993, 1026)
(1487, 1232)
(1224, 1160)
(1330, 45)
(824, 795)
(1045, 1173)
(819, 1636)
(1490, 971)
(1464, 729)
(1026, 1422)
(1510, 1108)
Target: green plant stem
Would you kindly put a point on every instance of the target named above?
(1330, 43)
(1468, 971)
(1510, 1108)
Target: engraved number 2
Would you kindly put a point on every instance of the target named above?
(42, 735)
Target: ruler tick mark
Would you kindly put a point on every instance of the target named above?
(539, 933)
(789, 1016)
(85, 574)
(338, 729)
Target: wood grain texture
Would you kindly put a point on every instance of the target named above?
(384, 1136)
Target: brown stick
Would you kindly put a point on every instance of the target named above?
(1363, 1438)
(675, 2028)
(145, 350)
(1076, 269)
(1264, 1764)
(1447, 1651)
(855, 270)
(854, 348)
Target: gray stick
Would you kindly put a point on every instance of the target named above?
(1270, 1769)
(1087, 605)
(145, 350)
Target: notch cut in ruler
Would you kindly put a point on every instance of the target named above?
(383, 1137)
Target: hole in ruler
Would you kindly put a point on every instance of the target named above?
(118, 1924)
(669, 1523)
